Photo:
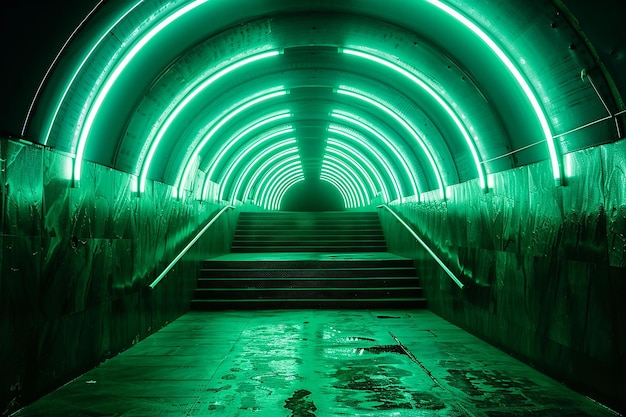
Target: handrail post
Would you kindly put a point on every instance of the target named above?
(424, 245)
(189, 245)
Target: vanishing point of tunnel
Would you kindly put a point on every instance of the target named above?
(313, 208)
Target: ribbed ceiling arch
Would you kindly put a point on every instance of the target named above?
(444, 92)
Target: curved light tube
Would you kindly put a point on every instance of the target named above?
(255, 125)
(269, 186)
(230, 114)
(480, 167)
(104, 91)
(55, 112)
(265, 184)
(352, 119)
(359, 195)
(373, 151)
(257, 158)
(278, 181)
(406, 126)
(287, 156)
(234, 164)
(352, 169)
(168, 117)
(332, 147)
(381, 161)
(280, 194)
(345, 194)
(515, 72)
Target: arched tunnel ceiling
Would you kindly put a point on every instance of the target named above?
(394, 98)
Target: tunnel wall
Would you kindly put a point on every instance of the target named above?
(76, 262)
(544, 266)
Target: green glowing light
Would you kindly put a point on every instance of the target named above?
(273, 166)
(270, 185)
(530, 95)
(285, 155)
(382, 160)
(401, 120)
(271, 176)
(108, 85)
(345, 195)
(168, 117)
(355, 170)
(280, 193)
(255, 125)
(352, 119)
(230, 114)
(251, 147)
(355, 187)
(336, 147)
(423, 85)
(55, 112)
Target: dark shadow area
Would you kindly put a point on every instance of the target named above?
(312, 195)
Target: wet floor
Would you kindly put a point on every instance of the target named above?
(313, 363)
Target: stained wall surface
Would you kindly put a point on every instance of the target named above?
(544, 267)
(76, 263)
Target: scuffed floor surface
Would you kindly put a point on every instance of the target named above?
(304, 363)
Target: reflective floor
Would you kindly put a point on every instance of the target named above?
(305, 363)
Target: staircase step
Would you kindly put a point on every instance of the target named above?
(321, 248)
(239, 283)
(315, 273)
(307, 293)
(284, 268)
(271, 304)
(308, 263)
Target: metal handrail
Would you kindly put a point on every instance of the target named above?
(424, 245)
(186, 248)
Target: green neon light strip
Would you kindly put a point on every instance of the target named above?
(352, 119)
(268, 191)
(252, 147)
(256, 125)
(225, 148)
(288, 155)
(382, 187)
(382, 160)
(238, 109)
(523, 83)
(480, 168)
(277, 200)
(281, 193)
(345, 194)
(265, 184)
(270, 167)
(337, 145)
(241, 178)
(55, 113)
(359, 195)
(267, 188)
(407, 127)
(356, 171)
(106, 88)
(354, 183)
(169, 116)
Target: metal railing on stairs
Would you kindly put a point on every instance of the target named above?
(423, 244)
(189, 245)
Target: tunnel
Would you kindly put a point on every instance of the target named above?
(485, 137)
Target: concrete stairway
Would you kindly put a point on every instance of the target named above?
(309, 232)
(308, 260)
